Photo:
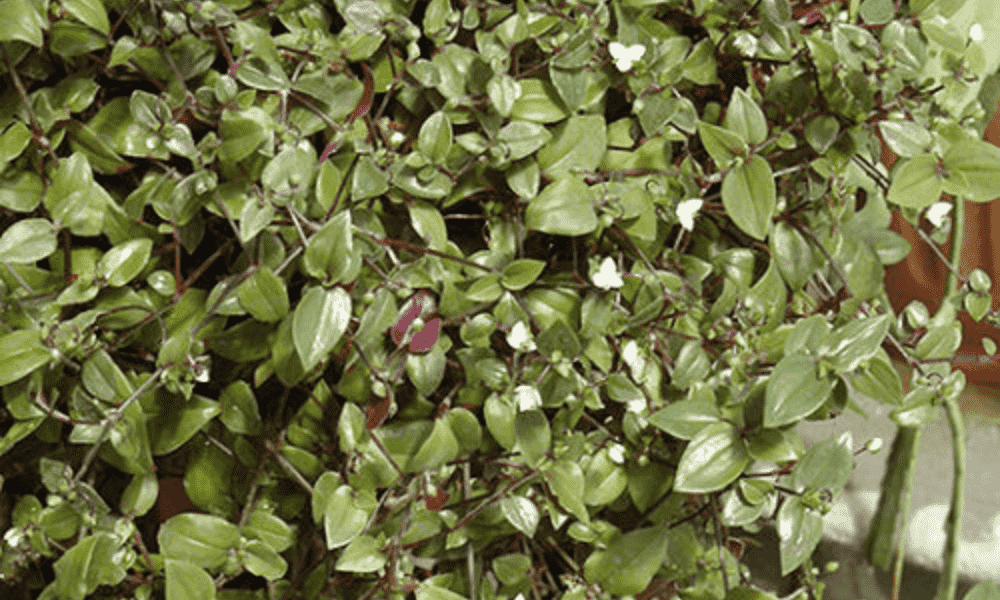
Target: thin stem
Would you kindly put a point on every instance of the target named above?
(949, 577)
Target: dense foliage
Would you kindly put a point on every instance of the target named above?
(466, 299)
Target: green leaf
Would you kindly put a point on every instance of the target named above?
(821, 132)
(368, 181)
(429, 224)
(745, 593)
(685, 419)
(792, 254)
(13, 141)
(87, 565)
(533, 435)
(500, 414)
(794, 391)
(261, 560)
(74, 199)
(905, 138)
(140, 495)
(578, 143)
(21, 352)
(522, 513)
(522, 138)
(503, 91)
(774, 445)
(238, 409)
(170, 426)
(243, 133)
(856, 342)
(538, 102)
(208, 479)
(973, 170)
(627, 565)
(187, 581)
(345, 516)
(712, 460)
(564, 207)
(519, 274)
(745, 117)
(512, 569)
(319, 321)
(124, 262)
(800, 530)
(916, 183)
(330, 251)
(362, 555)
(827, 464)
(748, 195)
(21, 22)
(435, 137)
(565, 480)
(879, 381)
(27, 241)
(440, 447)
(721, 144)
(604, 479)
(264, 296)
(205, 540)
(90, 12)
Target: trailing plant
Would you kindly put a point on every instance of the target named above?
(466, 299)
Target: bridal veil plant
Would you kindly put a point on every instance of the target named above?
(467, 298)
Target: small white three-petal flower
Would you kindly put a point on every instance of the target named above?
(686, 211)
(519, 338)
(607, 276)
(626, 56)
(937, 212)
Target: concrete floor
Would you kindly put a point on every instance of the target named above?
(845, 527)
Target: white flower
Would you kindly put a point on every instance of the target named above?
(616, 452)
(527, 397)
(626, 56)
(937, 212)
(519, 338)
(686, 211)
(607, 276)
(976, 32)
(874, 445)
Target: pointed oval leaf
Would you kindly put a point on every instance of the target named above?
(976, 165)
(564, 207)
(565, 480)
(320, 320)
(435, 137)
(748, 195)
(521, 273)
(685, 419)
(521, 513)
(205, 540)
(363, 555)
(905, 138)
(745, 117)
(627, 565)
(264, 296)
(916, 183)
(344, 519)
(21, 352)
(122, 263)
(712, 460)
(721, 144)
(439, 448)
(794, 391)
(800, 530)
(187, 581)
(533, 434)
(27, 241)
